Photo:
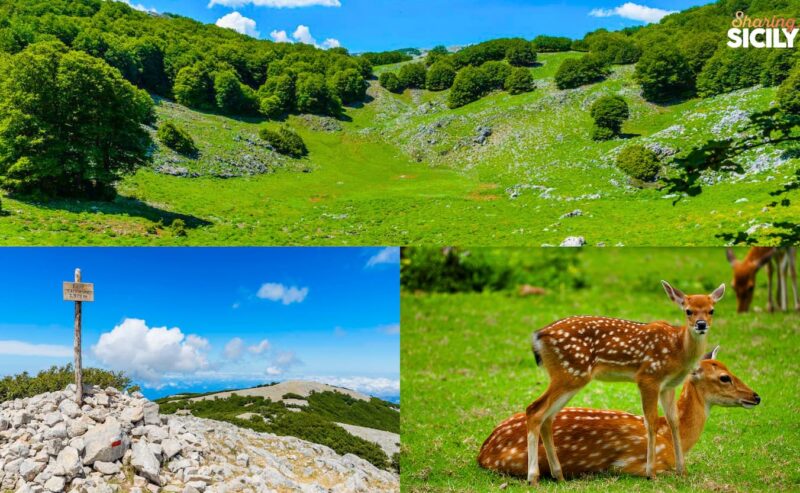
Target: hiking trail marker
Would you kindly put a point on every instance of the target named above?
(78, 292)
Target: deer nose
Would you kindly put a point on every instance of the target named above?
(701, 324)
(757, 398)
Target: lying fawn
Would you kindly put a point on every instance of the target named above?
(656, 356)
(591, 440)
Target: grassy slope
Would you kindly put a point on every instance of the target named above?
(466, 365)
(367, 186)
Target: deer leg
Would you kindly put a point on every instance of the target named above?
(547, 436)
(793, 274)
(553, 399)
(649, 391)
(770, 306)
(668, 403)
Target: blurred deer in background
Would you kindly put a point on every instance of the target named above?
(656, 356)
(782, 261)
(591, 440)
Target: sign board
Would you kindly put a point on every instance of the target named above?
(78, 291)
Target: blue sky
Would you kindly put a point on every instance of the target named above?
(366, 25)
(208, 318)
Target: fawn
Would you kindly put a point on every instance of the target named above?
(656, 356)
(591, 440)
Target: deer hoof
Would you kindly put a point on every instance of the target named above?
(533, 480)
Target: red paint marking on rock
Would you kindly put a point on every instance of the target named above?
(117, 443)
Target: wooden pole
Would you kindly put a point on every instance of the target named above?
(78, 369)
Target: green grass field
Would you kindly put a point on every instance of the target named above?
(467, 365)
(404, 169)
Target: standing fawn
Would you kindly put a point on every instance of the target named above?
(778, 260)
(591, 440)
(656, 356)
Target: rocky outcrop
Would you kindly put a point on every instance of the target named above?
(119, 442)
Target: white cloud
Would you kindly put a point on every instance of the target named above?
(20, 348)
(389, 255)
(303, 35)
(280, 36)
(366, 385)
(282, 362)
(239, 23)
(233, 349)
(150, 353)
(391, 329)
(633, 11)
(285, 294)
(259, 348)
(138, 6)
(278, 4)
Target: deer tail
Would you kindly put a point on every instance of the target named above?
(536, 347)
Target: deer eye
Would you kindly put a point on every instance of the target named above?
(689, 312)
(711, 312)
(725, 379)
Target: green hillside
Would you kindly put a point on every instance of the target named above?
(314, 422)
(407, 169)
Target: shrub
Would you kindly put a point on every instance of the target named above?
(176, 138)
(469, 85)
(412, 75)
(639, 162)
(270, 106)
(521, 54)
(436, 54)
(390, 82)
(519, 81)
(284, 141)
(178, 227)
(729, 70)
(440, 76)
(544, 44)
(777, 67)
(789, 93)
(496, 73)
(282, 89)
(57, 378)
(663, 73)
(349, 86)
(608, 112)
(574, 73)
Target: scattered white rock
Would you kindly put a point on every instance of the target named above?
(573, 241)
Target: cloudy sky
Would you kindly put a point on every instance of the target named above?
(202, 319)
(366, 25)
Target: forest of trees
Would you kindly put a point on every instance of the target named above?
(63, 60)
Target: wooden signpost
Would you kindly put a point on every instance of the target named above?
(78, 292)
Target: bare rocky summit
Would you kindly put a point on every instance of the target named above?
(118, 442)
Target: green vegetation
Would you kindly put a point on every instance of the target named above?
(608, 113)
(519, 80)
(176, 138)
(284, 141)
(578, 72)
(56, 141)
(548, 44)
(455, 270)
(57, 378)
(467, 365)
(341, 408)
(412, 75)
(391, 82)
(315, 423)
(469, 85)
(386, 57)
(440, 76)
(639, 162)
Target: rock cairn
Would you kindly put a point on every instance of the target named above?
(118, 442)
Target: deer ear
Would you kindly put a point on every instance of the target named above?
(731, 256)
(765, 259)
(718, 293)
(712, 354)
(674, 294)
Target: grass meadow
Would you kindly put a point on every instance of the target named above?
(405, 170)
(467, 365)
